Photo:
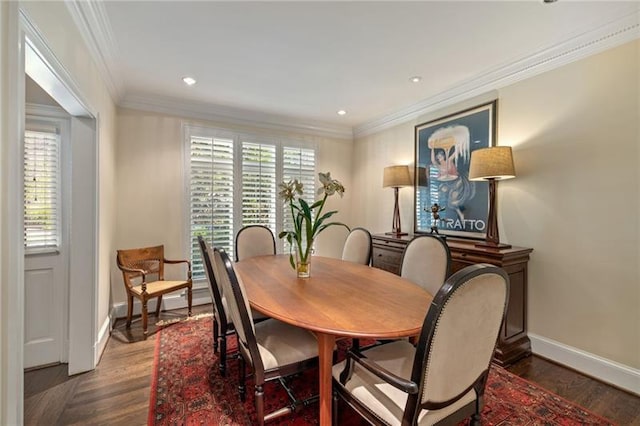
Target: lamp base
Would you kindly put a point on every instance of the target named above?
(491, 245)
(396, 234)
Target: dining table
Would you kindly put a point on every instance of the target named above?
(339, 299)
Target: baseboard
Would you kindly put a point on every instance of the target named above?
(616, 374)
(200, 296)
(103, 338)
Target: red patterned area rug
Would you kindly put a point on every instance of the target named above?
(187, 389)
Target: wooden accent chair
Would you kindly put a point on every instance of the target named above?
(254, 240)
(358, 247)
(136, 266)
(442, 380)
(271, 348)
(426, 261)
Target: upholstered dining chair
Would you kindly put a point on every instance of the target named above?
(223, 326)
(358, 247)
(442, 380)
(254, 240)
(271, 348)
(138, 266)
(426, 261)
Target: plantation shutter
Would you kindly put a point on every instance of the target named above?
(41, 190)
(259, 185)
(299, 163)
(211, 196)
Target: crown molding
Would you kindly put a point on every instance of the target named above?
(91, 20)
(211, 112)
(598, 40)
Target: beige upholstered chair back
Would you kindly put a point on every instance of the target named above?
(426, 262)
(254, 240)
(465, 333)
(223, 278)
(357, 247)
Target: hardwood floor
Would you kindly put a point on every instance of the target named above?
(117, 391)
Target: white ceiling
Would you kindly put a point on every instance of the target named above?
(305, 60)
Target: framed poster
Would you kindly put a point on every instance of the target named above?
(446, 202)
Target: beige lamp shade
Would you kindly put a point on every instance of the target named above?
(396, 176)
(492, 163)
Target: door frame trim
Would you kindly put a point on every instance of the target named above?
(82, 338)
(12, 294)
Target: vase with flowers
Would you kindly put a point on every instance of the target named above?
(308, 220)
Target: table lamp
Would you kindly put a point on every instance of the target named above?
(395, 177)
(492, 164)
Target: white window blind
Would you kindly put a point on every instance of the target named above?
(299, 163)
(259, 185)
(431, 193)
(211, 196)
(41, 190)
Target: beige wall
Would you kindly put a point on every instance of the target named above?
(150, 182)
(56, 25)
(575, 201)
(5, 413)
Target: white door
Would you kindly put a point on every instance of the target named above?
(46, 248)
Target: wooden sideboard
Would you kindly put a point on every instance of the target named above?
(513, 342)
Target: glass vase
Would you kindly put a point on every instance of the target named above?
(303, 267)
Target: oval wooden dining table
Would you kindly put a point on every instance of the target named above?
(340, 299)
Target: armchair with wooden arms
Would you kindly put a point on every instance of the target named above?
(442, 379)
(137, 265)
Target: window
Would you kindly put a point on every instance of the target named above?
(233, 182)
(259, 185)
(41, 190)
(299, 163)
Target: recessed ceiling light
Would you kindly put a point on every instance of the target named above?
(342, 112)
(189, 81)
(415, 79)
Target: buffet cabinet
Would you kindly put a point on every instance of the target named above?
(513, 342)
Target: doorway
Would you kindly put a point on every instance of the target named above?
(46, 228)
(41, 65)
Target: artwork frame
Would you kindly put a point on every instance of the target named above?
(445, 201)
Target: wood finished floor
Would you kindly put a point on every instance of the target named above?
(117, 391)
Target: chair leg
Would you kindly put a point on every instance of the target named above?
(189, 298)
(475, 420)
(260, 404)
(158, 304)
(129, 310)
(334, 408)
(145, 318)
(223, 356)
(242, 377)
(216, 335)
